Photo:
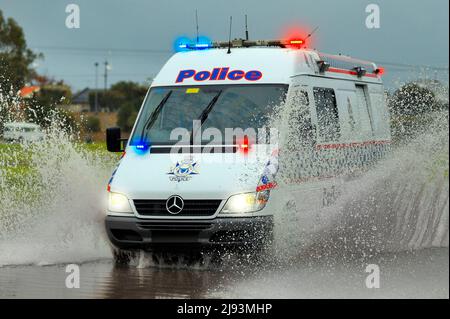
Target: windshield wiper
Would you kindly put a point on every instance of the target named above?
(152, 118)
(205, 114)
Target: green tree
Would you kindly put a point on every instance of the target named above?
(412, 99)
(92, 124)
(118, 95)
(15, 58)
(41, 109)
(54, 94)
(125, 97)
(126, 116)
(411, 108)
(133, 94)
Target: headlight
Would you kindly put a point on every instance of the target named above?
(119, 203)
(246, 203)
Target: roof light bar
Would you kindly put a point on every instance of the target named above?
(185, 44)
(241, 43)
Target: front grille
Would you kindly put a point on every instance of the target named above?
(171, 225)
(192, 207)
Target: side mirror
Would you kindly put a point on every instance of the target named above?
(114, 140)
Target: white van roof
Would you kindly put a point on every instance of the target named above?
(276, 64)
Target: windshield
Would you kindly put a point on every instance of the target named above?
(214, 106)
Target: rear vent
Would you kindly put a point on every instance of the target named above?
(192, 207)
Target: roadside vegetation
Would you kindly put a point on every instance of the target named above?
(21, 175)
(413, 107)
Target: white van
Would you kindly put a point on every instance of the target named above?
(199, 196)
(22, 132)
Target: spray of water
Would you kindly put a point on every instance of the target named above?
(399, 203)
(403, 202)
(52, 200)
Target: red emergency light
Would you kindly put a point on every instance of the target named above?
(244, 145)
(295, 43)
(379, 71)
(295, 36)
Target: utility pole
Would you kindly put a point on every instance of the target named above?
(106, 75)
(96, 87)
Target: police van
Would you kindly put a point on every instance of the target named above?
(177, 185)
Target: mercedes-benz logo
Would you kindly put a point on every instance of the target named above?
(174, 204)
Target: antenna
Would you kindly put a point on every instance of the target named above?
(309, 35)
(196, 22)
(246, 28)
(229, 36)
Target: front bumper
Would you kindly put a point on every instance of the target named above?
(135, 233)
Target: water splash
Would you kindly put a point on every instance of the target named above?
(52, 199)
(401, 203)
(52, 202)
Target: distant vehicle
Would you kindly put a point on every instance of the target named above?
(22, 132)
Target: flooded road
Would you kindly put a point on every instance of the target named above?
(418, 274)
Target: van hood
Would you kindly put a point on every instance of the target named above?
(192, 176)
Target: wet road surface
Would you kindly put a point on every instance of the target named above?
(419, 274)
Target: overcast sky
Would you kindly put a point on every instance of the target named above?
(136, 36)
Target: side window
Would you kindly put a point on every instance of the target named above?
(300, 119)
(301, 98)
(327, 114)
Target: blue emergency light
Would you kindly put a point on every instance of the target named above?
(186, 44)
(141, 146)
